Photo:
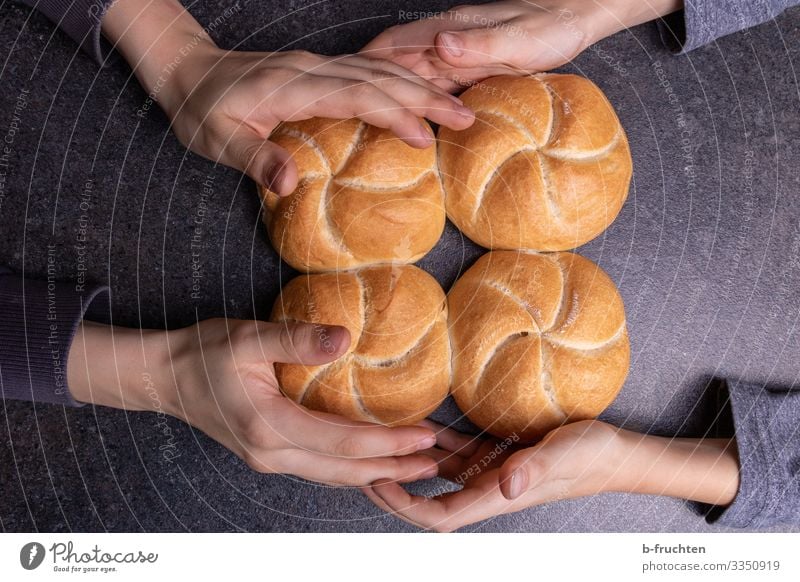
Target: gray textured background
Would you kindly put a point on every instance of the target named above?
(706, 253)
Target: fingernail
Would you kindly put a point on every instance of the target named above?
(455, 99)
(332, 338)
(465, 112)
(275, 178)
(426, 443)
(425, 133)
(519, 483)
(452, 44)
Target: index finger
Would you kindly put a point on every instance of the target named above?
(336, 436)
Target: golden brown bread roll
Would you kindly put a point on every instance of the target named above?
(537, 340)
(363, 197)
(397, 369)
(546, 165)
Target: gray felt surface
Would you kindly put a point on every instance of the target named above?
(706, 253)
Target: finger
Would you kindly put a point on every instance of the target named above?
(336, 436)
(450, 464)
(438, 105)
(522, 472)
(376, 69)
(367, 490)
(372, 496)
(477, 47)
(443, 513)
(354, 472)
(422, 97)
(397, 105)
(302, 343)
(450, 440)
(265, 162)
(340, 98)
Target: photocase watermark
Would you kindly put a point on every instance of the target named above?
(31, 555)
(479, 466)
(321, 330)
(82, 236)
(183, 52)
(461, 17)
(66, 558)
(519, 104)
(6, 147)
(198, 234)
(745, 215)
(169, 449)
(295, 199)
(684, 128)
(487, 459)
(569, 20)
(54, 342)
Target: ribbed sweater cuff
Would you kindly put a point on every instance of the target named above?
(38, 323)
(80, 19)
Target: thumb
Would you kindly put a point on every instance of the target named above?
(476, 47)
(266, 163)
(523, 471)
(303, 343)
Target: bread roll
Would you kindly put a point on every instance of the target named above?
(537, 340)
(364, 197)
(546, 165)
(397, 369)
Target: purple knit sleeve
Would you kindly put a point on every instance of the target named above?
(765, 419)
(704, 21)
(80, 19)
(38, 319)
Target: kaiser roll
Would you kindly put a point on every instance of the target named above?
(546, 165)
(397, 369)
(363, 197)
(537, 340)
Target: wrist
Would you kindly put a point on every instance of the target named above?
(121, 368)
(159, 40)
(705, 470)
(605, 19)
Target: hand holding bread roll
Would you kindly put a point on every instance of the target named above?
(546, 165)
(363, 197)
(538, 340)
(397, 369)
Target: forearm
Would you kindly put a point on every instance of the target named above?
(705, 470)
(611, 17)
(122, 368)
(155, 38)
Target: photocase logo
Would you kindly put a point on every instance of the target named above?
(31, 555)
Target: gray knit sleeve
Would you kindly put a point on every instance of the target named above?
(766, 422)
(80, 19)
(704, 21)
(38, 319)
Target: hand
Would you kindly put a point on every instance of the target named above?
(575, 460)
(224, 104)
(218, 376)
(470, 43)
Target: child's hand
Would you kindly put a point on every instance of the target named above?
(224, 104)
(471, 43)
(218, 376)
(571, 461)
(575, 460)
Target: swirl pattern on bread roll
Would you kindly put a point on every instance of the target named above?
(537, 340)
(397, 369)
(546, 166)
(363, 197)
